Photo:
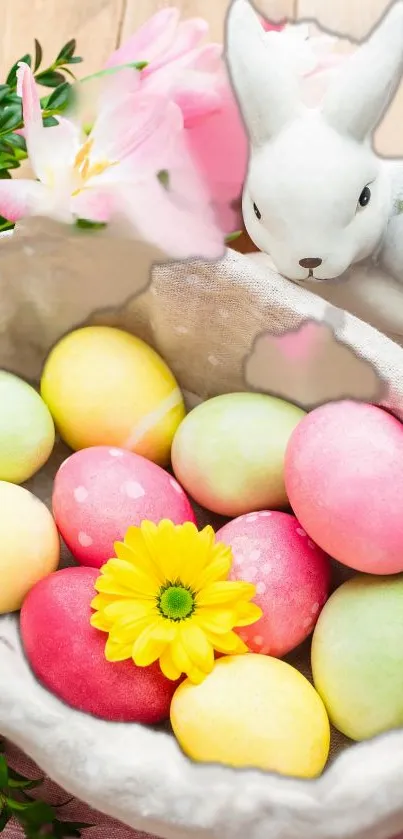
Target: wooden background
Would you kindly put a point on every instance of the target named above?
(100, 25)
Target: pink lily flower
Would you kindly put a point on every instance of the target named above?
(194, 75)
(114, 170)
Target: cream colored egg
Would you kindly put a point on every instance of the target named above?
(105, 387)
(27, 432)
(29, 544)
(253, 711)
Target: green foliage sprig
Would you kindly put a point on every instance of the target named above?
(37, 819)
(13, 148)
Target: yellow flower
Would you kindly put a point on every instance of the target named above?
(166, 596)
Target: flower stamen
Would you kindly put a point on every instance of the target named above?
(176, 602)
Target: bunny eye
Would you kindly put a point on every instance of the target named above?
(257, 212)
(365, 197)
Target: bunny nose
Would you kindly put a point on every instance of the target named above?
(310, 263)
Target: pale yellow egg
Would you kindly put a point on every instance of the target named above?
(253, 711)
(27, 433)
(104, 386)
(29, 544)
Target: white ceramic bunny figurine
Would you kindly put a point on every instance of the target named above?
(317, 198)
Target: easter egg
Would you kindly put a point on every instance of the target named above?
(344, 479)
(291, 575)
(253, 711)
(27, 432)
(106, 387)
(67, 655)
(229, 452)
(357, 656)
(100, 492)
(29, 544)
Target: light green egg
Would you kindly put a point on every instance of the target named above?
(27, 432)
(357, 656)
(228, 453)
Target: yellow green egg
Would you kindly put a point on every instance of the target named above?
(105, 387)
(253, 711)
(29, 544)
(27, 432)
(228, 453)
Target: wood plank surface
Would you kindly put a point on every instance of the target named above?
(95, 23)
(214, 11)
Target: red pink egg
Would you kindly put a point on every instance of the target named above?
(291, 575)
(66, 654)
(100, 492)
(344, 480)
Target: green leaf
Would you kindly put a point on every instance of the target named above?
(5, 814)
(3, 772)
(11, 79)
(50, 78)
(49, 122)
(4, 176)
(16, 141)
(4, 91)
(12, 99)
(66, 52)
(10, 119)
(61, 98)
(75, 59)
(38, 55)
(86, 224)
(163, 177)
(134, 65)
(233, 236)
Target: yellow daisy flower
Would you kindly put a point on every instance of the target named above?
(166, 596)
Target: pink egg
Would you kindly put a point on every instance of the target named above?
(291, 575)
(344, 480)
(67, 654)
(100, 492)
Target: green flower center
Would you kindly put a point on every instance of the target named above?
(176, 602)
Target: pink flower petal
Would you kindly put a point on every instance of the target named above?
(121, 132)
(182, 229)
(219, 148)
(188, 35)
(32, 116)
(20, 198)
(150, 41)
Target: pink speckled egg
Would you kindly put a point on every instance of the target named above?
(291, 575)
(344, 480)
(67, 654)
(100, 492)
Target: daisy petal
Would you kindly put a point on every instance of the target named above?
(102, 600)
(216, 620)
(180, 657)
(197, 646)
(126, 630)
(106, 584)
(152, 642)
(196, 676)
(218, 568)
(128, 608)
(248, 613)
(99, 621)
(225, 592)
(229, 644)
(134, 550)
(132, 578)
(168, 667)
(117, 651)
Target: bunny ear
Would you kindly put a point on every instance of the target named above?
(266, 87)
(364, 87)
